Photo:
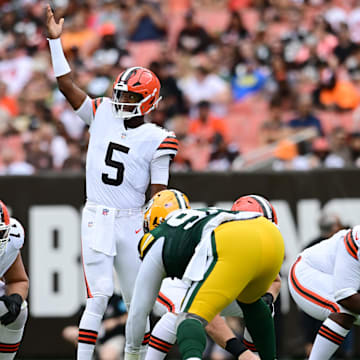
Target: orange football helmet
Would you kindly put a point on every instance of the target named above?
(4, 227)
(256, 203)
(136, 92)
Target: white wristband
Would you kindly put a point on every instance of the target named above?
(60, 64)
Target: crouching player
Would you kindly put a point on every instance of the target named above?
(324, 281)
(172, 291)
(224, 256)
(14, 285)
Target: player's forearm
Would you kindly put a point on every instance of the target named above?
(62, 72)
(219, 331)
(19, 287)
(274, 288)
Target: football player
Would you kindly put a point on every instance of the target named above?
(124, 155)
(223, 256)
(172, 291)
(324, 281)
(14, 285)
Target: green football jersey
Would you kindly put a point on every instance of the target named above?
(181, 232)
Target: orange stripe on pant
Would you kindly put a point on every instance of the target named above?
(310, 295)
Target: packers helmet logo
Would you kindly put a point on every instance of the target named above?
(161, 205)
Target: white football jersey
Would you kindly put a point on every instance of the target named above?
(13, 246)
(338, 256)
(118, 159)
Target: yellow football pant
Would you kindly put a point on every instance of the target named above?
(247, 258)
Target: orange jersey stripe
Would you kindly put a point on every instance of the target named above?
(249, 345)
(167, 146)
(350, 245)
(171, 139)
(308, 294)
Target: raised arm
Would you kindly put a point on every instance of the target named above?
(71, 91)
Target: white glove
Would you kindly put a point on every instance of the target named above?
(132, 356)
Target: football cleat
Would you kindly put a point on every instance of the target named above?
(256, 203)
(161, 205)
(136, 92)
(4, 227)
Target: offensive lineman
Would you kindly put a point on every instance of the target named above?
(224, 256)
(125, 154)
(324, 281)
(172, 291)
(14, 285)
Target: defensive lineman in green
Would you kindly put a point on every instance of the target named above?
(223, 255)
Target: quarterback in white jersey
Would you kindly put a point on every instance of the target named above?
(14, 285)
(125, 155)
(324, 281)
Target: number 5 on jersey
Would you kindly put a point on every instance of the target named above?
(119, 166)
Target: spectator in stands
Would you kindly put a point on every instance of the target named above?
(222, 154)
(235, 30)
(305, 117)
(145, 21)
(78, 36)
(206, 127)
(173, 101)
(109, 51)
(354, 143)
(203, 85)
(7, 102)
(273, 129)
(38, 157)
(320, 150)
(345, 47)
(12, 166)
(339, 154)
(75, 160)
(193, 38)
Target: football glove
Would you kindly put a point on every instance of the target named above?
(13, 303)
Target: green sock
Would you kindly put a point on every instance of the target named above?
(191, 338)
(260, 324)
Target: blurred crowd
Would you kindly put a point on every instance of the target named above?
(245, 83)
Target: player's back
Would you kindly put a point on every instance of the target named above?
(322, 256)
(16, 241)
(183, 231)
(119, 158)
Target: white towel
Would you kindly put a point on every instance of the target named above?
(200, 261)
(103, 239)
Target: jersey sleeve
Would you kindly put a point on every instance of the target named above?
(17, 233)
(88, 109)
(347, 265)
(168, 146)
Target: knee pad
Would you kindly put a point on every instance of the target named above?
(97, 304)
(183, 316)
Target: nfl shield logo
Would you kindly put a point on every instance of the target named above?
(105, 211)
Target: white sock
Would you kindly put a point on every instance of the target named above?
(328, 340)
(89, 326)
(162, 337)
